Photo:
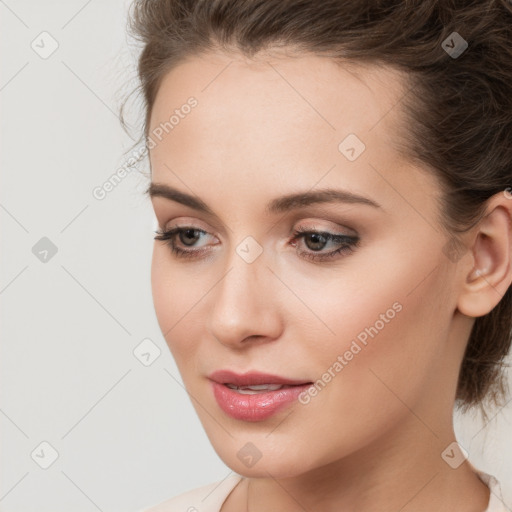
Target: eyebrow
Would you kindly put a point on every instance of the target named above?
(278, 205)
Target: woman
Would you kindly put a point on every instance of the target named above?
(332, 268)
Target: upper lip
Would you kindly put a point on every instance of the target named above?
(252, 378)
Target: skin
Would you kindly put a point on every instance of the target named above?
(372, 439)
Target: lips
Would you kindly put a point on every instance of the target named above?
(253, 378)
(254, 396)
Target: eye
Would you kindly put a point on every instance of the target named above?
(315, 241)
(187, 236)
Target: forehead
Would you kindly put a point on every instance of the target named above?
(337, 94)
(278, 120)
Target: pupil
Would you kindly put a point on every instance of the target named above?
(317, 239)
(188, 233)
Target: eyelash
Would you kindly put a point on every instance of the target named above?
(347, 243)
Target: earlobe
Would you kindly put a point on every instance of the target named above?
(490, 273)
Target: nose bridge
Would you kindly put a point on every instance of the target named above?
(241, 287)
(246, 266)
(243, 300)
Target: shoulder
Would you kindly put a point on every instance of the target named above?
(207, 498)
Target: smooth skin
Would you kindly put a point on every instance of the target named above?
(372, 438)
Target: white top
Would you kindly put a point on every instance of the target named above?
(209, 498)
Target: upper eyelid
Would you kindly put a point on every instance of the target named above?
(320, 212)
(301, 229)
(183, 225)
(316, 224)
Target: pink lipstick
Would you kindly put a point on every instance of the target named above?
(254, 396)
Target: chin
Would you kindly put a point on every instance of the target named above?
(256, 456)
(265, 468)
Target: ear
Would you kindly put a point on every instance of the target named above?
(488, 274)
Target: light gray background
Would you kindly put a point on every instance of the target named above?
(126, 434)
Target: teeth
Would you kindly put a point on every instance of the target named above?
(268, 387)
(251, 390)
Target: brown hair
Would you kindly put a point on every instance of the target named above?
(458, 107)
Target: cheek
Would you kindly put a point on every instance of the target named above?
(390, 339)
(390, 336)
(176, 300)
(164, 300)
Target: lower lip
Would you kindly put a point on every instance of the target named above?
(257, 406)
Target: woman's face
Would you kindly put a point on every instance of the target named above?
(367, 316)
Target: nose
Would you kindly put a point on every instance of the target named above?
(245, 304)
